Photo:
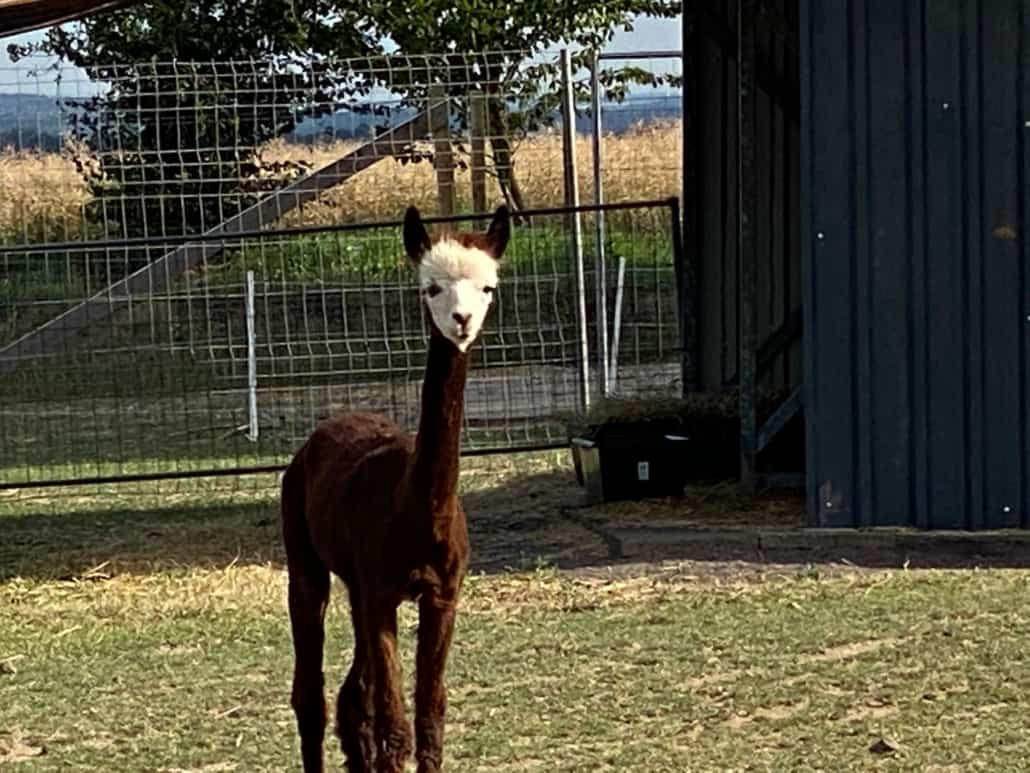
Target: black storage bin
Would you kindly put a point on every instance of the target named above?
(631, 461)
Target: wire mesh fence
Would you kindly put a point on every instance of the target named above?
(639, 136)
(154, 149)
(160, 381)
(192, 273)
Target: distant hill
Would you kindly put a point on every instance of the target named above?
(30, 122)
(615, 118)
(36, 122)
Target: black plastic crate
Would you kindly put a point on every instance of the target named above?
(632, 461)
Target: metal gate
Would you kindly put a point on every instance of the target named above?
(226, 367)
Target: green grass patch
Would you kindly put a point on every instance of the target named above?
(150, 633)
(355, 257)
(372, 256)
(190, 670)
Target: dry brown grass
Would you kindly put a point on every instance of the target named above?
(46, 196)
(43, 196)
(643, 164)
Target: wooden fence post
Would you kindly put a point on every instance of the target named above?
(478, 132)
(443, 155)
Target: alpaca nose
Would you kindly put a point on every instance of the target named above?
(461, 319)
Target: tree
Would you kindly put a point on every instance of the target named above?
(166, 151)
(522, 97)
(166, 147)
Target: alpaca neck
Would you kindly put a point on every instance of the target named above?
(433, 474)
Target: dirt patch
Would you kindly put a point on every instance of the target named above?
(719, 505)
(831, 655)
(542, 519)
(737, 722)
(852, 650)
(16, 748)
(99, 742)
(871, 709)
(781, 712)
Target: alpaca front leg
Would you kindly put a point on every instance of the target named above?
(392, 732)
(435, 630)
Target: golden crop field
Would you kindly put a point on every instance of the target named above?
(46, 196)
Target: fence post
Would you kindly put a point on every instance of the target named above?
(477, 141)
(575, 221)
(443, 154)
(602, 272)
(684, 301)
(617, 323)
(252, 414)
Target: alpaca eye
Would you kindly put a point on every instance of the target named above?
(433, 290)
(489, 290)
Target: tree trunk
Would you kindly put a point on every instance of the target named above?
(503, 162)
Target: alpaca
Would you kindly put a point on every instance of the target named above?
(365, 501)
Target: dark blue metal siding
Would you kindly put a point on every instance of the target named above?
(915, 121)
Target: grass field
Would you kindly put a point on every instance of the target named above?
(641, 164)
(148, 632)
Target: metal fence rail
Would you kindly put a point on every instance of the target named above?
(196, 378)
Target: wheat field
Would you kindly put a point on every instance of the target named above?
(47, 198)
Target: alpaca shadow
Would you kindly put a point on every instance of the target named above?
(522, 523)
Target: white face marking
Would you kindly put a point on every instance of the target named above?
(457, 286)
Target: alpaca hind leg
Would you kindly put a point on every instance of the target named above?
(308, 597)
(354, 705)
(393, 736)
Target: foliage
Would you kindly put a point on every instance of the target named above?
(167, 152)
(522, 82)
(522, 30)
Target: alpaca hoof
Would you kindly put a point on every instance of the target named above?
(390, 763)
(393, 758)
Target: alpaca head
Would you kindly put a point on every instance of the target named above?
(457, 274)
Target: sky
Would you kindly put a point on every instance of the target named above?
(648, 34)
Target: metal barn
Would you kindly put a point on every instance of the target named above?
(887, 198)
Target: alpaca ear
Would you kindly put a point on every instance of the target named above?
(416, 239)
(498, 233)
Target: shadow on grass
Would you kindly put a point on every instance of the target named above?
(518, 521)
(515, 525)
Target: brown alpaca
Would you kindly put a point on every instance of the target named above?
(365, 501)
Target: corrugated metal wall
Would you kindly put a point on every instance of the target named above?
(713, 215)
(915, 123)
